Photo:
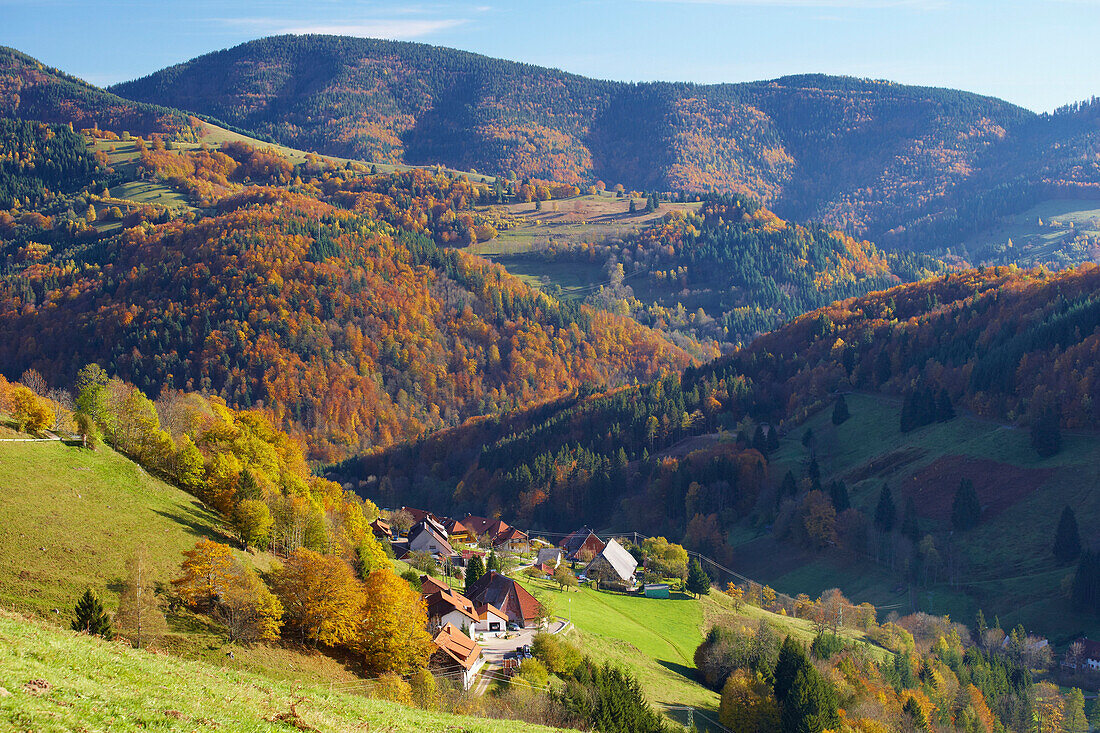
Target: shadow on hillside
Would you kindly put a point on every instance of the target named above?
(193, 524)
(683, 670)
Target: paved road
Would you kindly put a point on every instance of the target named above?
(495, 649)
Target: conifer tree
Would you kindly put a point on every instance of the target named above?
(1086, 583)
(773, 439)
(1046, 433)
(90, 617)
(966, 510)
(698, 582)
(1067, 540)
(885, 512)
(474, 570)
(838, 492)
(814, 474)
(759, 441)
(910, 525)
(840, 411)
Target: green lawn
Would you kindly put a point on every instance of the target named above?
(655, 638)
(98, 685)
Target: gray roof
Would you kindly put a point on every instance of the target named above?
(549, 555)
(621, 560)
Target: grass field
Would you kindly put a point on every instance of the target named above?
(569, 222)
(91, 684)
(1005, 567)
(1062, 220)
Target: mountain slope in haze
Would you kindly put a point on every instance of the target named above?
(847, 151)
(31, 91)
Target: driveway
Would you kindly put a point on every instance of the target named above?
(495, 649)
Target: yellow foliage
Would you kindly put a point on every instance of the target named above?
(207, 572)
(322, 598)
(393, 636)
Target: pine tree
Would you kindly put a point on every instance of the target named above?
(838, 492)
(759, 441)
(944, 409)
(840, 411)
(913, 709)
(814, 474)
(1067, 540)
(474, 570)
(90, 616)
(910, 525)
(698, 582)
(885, 512)
(1046, 433)
(1086, 583)
(493, 563)
(773, 439)
(966, 510)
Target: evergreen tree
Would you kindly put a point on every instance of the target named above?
(806, 704)
(633, 208)
(773, 439)
(885, 512)
(944, 409)
(1086, 583)
(493, 563)
(759, 441)
(840, 410)
(838, 492)
(698, 582)
(883, 369)
(966, 510)
(913, 709)
(1067, 541)
(474, 570)
(1046, 433)
(910, 525)
(814, 474)
(90, 617)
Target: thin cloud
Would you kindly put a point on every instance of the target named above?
(854, 4)
(397, 28)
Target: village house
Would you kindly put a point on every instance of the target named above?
(447, 606)
(502, 536)
(456, 656)
(581, 545)
(425, 537)
(491, 620)
(613, 565)
(429, 585)
(381, 529)
(550, 557)
(458, 532)
(500, 591)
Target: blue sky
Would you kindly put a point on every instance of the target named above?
(1037, 53)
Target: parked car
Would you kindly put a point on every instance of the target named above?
(513, 626)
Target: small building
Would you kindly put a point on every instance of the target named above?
(450, 607)
(582, 545)
(513, 599)
(429, 585)
(549, 556)
(424, 537)
(656, 590)
(613, 565)
(456, 655)
(381, 529)
(500, 534)
(491, 620)
(458, 532)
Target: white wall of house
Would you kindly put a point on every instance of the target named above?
(491, 625)
(458, 619)
(424, 542)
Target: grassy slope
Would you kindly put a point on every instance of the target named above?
(70, 520)
(97, 685)
(1008, 568)
(1032, 243)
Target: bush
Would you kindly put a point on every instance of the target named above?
(534, 672)
(560, 657)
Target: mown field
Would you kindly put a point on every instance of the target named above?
(1005, 564)
(1032, 242)
(62, 681)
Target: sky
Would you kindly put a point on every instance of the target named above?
(1039, 54)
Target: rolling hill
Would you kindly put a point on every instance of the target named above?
(913, 166)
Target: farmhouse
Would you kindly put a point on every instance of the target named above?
(456, 655)
(425, 537)
(497, 590)
(381, 529)
(491, 620)
(549, 556)
(501, 535)
(449, 607)
(582, 545)
(613, 565)
(458, 532)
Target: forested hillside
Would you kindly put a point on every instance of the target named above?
(331, 301)
(31, 91)
(865, 154)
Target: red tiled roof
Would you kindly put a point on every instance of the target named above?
(457, 646)
(484, 609)
(503, 592)
(429, 585)
(442, 602)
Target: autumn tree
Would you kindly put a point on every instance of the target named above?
(392, 636)
(90, 617)
(371, 555)
(564, 577)
(247, 608)
(139, 617)
(818, 519)
(321, 597)
(253, 522)
(206, 573)
(32, 414)
(748, 704)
